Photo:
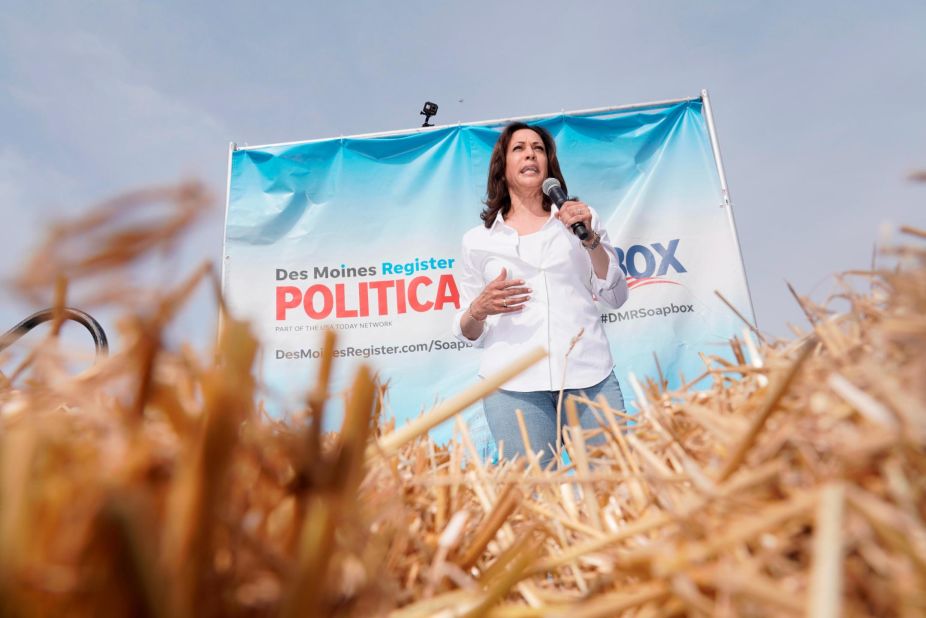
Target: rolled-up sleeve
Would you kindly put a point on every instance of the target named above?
(471, 284)
(612, 290)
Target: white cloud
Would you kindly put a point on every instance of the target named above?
(83, 92)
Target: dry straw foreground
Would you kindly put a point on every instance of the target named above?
(151, 484)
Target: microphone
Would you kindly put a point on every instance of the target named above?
(553, 190)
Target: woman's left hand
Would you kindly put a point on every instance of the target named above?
(575, 211)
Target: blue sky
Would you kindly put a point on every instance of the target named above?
(818, 105)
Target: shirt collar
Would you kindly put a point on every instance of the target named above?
(499, 223)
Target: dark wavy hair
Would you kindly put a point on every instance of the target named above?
(497, 196)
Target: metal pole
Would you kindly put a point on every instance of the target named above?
(725, 194)
(232, 147)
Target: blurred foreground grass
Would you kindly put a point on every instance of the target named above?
(151, 484)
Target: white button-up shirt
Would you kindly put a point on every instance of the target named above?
(564, 291)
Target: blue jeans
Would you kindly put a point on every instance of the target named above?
(539, 409)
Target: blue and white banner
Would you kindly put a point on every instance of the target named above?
(363, 235)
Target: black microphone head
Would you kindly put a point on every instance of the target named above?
(549, 184)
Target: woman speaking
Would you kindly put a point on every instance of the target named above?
(529, 281)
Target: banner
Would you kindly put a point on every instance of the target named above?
(362, 234)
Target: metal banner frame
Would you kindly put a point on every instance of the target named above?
(725, 192)
(708, 117)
